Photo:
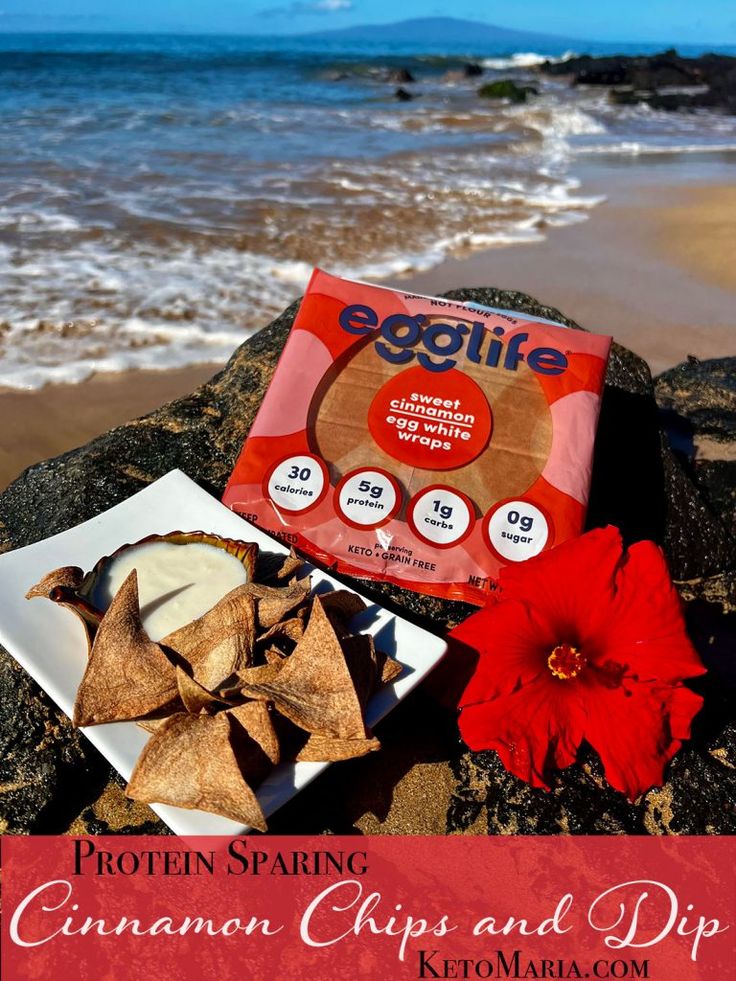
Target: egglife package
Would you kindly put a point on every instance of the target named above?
(422, 441)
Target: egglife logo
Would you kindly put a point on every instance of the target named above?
(399, 335)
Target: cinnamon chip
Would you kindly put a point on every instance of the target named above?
(254, 739)
(219, 643)
(389, 668)
(278, 569)
(274, 603)
(291, 630)
(313, 686)
(325, 749)
(128, 675)
(252, 677)
(195, 697)
(342, 605)
(189, 761)
(273, 655)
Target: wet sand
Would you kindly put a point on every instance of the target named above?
(41, 424)
(699, 235)
(654, 269)
(653, 266)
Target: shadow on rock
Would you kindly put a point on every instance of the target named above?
(628, 485)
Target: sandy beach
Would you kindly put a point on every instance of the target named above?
(40, 424)
(652, 266)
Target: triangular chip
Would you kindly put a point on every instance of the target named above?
(291, 629)
(189, 762)
(220, 642)
(313, 687)
(274, 603)
(151, 725)
(325, 749)
(342, 605)
(273, 655)
(257, 675)
(254, 740)
(362, 661)
(195, 697)
(278, 569)
(128, 675)
(389, 668)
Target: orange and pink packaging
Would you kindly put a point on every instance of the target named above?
(422, 441)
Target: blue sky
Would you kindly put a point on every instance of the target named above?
(610, 20)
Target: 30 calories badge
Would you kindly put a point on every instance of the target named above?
(432, 421)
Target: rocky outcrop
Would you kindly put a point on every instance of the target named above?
(697, 400)
(664, 81)
(506, 88)
(423, 781)
(401, 76)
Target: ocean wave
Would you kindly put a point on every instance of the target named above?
(158, 222)
(558, 122)
(53, 221)
(632, 148)
(109, 307)
(524, 59)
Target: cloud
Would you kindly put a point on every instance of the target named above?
(309, 7)
(327, 6)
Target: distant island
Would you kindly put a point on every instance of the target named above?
(453, 31)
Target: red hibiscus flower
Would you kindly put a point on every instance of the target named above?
(587, 642)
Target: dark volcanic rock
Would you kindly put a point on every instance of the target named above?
(624, 95)
(639, 485)
(506, 88)
(403, 95)
(423, 781)
(703, 393)
(606, 71)
(684, 98)
(472, 69)
(698, 405)
(48, 770)
(400, 75)
(664, 81)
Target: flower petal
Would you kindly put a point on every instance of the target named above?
(571, 584)
(647, 629)
(532, 729)
(512, 642)
(637, 729)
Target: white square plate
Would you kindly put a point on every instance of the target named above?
(49, 642)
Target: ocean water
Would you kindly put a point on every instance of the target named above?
(162, 197)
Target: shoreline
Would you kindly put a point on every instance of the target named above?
(48, 421)
(651, 266)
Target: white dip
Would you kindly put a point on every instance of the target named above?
(176, 583)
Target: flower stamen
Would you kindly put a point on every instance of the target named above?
(566, 662)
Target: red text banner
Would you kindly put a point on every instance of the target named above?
(354, 907)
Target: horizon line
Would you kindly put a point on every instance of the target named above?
(712, 47)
